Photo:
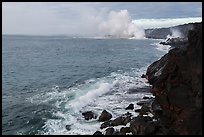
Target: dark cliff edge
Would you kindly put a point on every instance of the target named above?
(176, 81)
(161, 33)
(176, 84)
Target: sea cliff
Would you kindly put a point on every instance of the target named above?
(176, 84)
(176, 81)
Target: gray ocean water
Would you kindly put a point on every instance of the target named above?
(47, 81)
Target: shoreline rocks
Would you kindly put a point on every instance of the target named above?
(175, 42)
(179, 86)
(176, 109)
(89, 115)
(130, 106)
(105, 115)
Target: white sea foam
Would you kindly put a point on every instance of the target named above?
(164, 48)
(89, 96)
(111, 93)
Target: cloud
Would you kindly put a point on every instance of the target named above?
(167, 22)
(49, 18)
(83, 18)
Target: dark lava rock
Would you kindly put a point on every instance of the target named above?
(125, 129)
(144, 109)
(127, 120)
(118, 121)
(137, 110)
(161, 33)
(176, 81)
(98, 133)
(89, 115)
(143, 76)
(137, 125)
(156, 109)
(106, 124)
(131, 107)
(68, 127)
(122, 120)
(175, 41)
(109, 131)
(147, 118)
(104, 116)
(150, 129)
(118, 133)
(140, 103)
(146, 97)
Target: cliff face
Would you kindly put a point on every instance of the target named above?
(176, 81)
(161, 33)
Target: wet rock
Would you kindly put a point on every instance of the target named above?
(106, 124)
(147, 118)
(118, 121)
(127, 120)
(104, 116)
(144, 110)
(137, 125)
(128, 114)
(146, 97)
(175, 42)
(68, 127)
(89, 115)
(109, 131)
(118, 133)
(137, 110)
(125, 129)
(143, 76)
(98, 133)
(140, 103)
(131, 107)
(122, 120)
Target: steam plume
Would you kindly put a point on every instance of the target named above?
(120, 25)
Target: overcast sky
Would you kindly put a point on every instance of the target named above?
(54, 18)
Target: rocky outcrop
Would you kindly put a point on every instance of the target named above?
(176, 108)
(98, 133)
(68, 127)
(105, 115)
(110, 131)
(162, 33)
(121, 120)
(89, 115)
(175, 42)
(176, 81)
(130, 106)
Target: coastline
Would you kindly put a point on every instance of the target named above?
(176, 85)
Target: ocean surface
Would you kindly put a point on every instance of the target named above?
(48, 81)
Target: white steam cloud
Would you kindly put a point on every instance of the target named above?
(120, 25)
(175, 33)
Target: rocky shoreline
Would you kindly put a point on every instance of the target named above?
(176, 108)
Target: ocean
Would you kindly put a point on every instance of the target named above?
(48, 81)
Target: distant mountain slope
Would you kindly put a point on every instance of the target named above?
(161, 33)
